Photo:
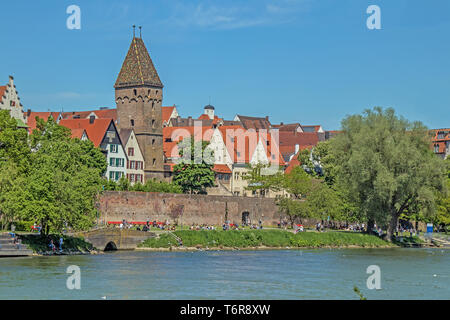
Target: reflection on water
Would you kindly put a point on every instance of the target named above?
(287, 274)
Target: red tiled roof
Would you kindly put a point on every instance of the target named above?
(221, 168)
(166, 113)
(241, 144)
(78, 133)
(254, 122)
(288, 140)
(31, 118)
(176, 134)
(95, 131)
(292, 164)
(101, 114)
(288, 127)
(2, 92)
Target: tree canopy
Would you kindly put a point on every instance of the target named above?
(385, 164)
(194, 172)
(57, 185)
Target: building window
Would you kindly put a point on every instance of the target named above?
(153, 123)
(153, 105)
(114, 148)
(131, 152)
(132, 122)
(132, 164)
(135, 92)
(153, 141)
(436, 148)
(119, 162)
(154, 162)
(441, 135)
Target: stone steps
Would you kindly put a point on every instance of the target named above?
(9, 249)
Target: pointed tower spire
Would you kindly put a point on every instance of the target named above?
(140, 32)
(134, 29)
(138, 68)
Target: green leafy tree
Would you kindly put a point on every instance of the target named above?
(324, 203)
(386, 165)
(194, 173)
(293, 208)
(297, 184)
(59, 189)
(442, 218)
(261, 178)
(14, 162)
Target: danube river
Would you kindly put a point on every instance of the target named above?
(278, 274)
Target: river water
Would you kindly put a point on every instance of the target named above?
(277, 274)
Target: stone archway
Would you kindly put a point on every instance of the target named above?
(246, 218)
(110, 246)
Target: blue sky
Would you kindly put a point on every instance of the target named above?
(311, 61)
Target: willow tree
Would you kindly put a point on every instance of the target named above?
(386, 165)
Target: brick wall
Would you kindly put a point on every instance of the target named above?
(184, 208)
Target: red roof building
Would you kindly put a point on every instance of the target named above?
(441, 142)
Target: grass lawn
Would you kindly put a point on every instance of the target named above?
(267, 238)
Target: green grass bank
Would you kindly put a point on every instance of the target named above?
(265, 238)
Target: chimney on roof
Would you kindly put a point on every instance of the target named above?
(267, 118)
(28, 112)
(281, 123)
(91, 119)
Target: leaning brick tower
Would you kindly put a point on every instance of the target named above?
(139, 94)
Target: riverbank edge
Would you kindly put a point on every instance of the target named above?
(69, 247)
(259, 248)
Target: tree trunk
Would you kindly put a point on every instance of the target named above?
(370, 225)
(392, 226)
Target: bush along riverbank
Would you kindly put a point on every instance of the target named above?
(263, 239)
(71, 245)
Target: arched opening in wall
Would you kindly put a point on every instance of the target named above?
(110, 246)
(245, 218)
